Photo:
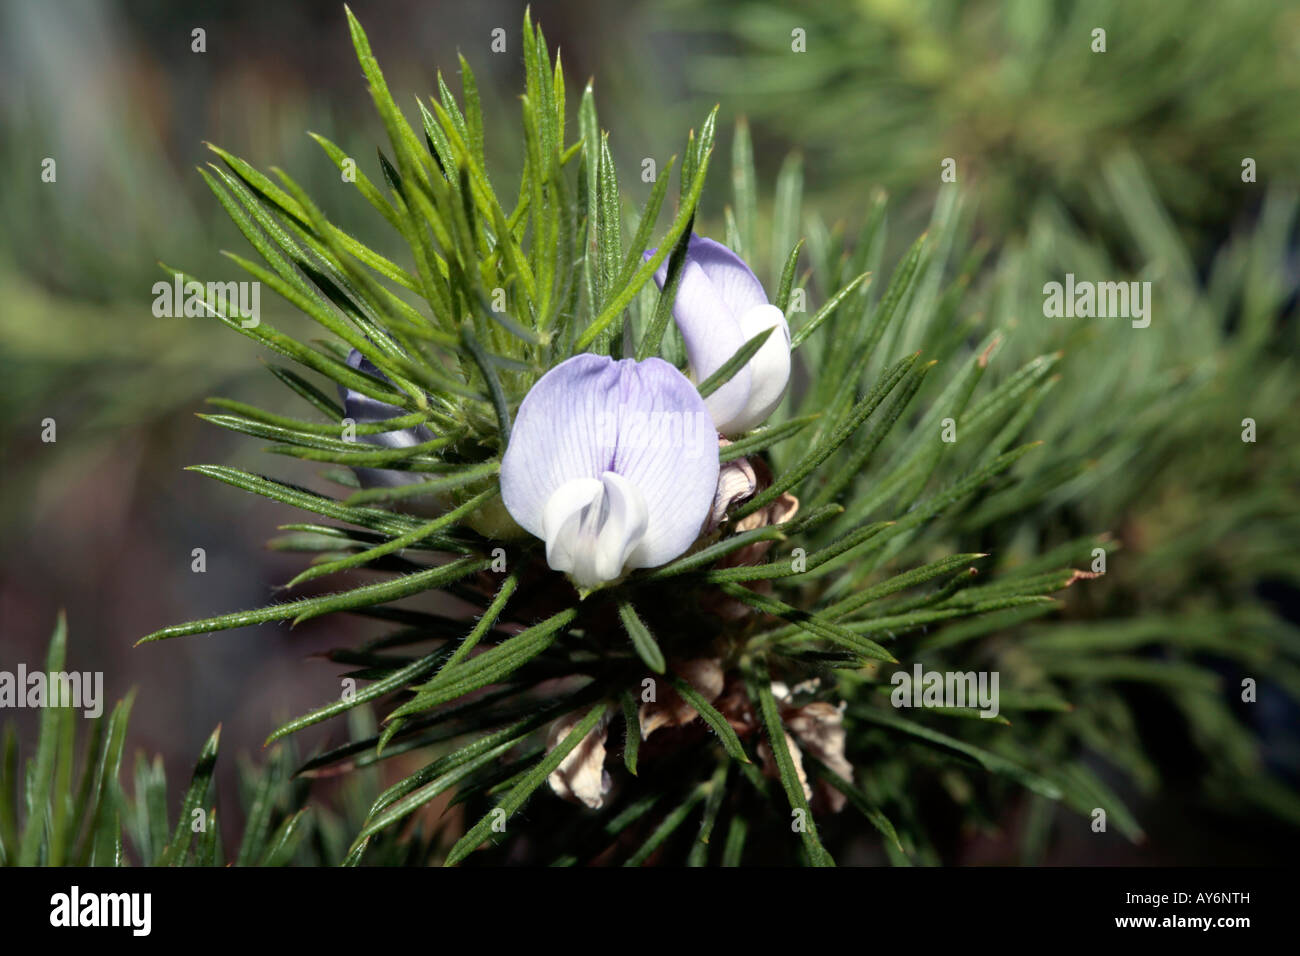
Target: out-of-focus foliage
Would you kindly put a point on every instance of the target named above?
(79, 255)
(1207, 521)
(887, 89)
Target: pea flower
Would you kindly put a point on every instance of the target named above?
(720, 306)
(614, 464)
(364, 410)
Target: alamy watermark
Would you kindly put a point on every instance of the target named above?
(923, 688)
(633, 428)
(82, 690)
(1102, 300)
(191, 299)
(133, 911)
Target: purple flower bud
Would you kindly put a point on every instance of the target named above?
(364, 410)
(720, 306)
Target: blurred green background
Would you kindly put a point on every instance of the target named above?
(1119, 164)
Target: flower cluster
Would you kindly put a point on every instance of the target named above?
(606, 500)
(585, 473)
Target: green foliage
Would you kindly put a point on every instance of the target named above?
(67, 805)
(1204, 519)
(1015, 94)
(1115, 165)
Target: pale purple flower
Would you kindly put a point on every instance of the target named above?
(720, 306)
(364, 410)
(614, 464)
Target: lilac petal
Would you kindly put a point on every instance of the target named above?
(740, 289)
(365, 410)
(769, 369)
(639, 431)
(735, 281)
(712, 335)
(720, 306)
